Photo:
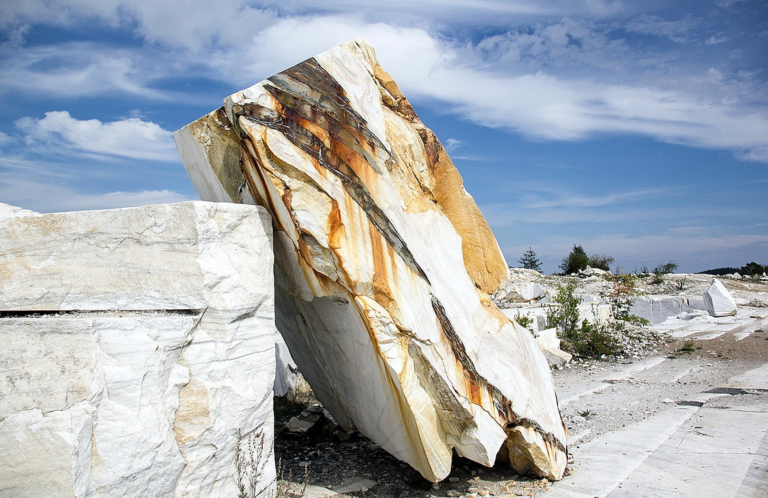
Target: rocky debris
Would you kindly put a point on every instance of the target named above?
(383, 266)
(133, 345)
(524, 292)
(549, 344)
(719, 301)
(594, 272)
(328, 465)
(316, 422)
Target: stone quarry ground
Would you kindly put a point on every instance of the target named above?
(597, 397)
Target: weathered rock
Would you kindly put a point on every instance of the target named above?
(383, 265)
(718, 300)
(137, 350)
(594, 272)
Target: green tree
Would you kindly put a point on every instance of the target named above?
(576, 261)
(601, 261)
(753, 269)
(530, 261)
(664, 269)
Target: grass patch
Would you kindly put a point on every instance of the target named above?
(687, 347)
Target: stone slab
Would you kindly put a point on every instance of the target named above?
(138, 351)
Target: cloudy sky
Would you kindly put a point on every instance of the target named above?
(636, 129)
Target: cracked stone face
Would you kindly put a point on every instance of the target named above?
(383, 266)
(138, 350)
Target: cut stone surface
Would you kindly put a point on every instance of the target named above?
(718, 300)
(138, 350)
(383, 266)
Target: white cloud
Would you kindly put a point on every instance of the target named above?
(76, 69)
(49, 197)
(452, 144)
(757, 154)
(568, 43)
(131, 138)
(198, 23)
(523, 81)
(5, 139)
(540, 105)
(569, 200)
(677, 31)
(544, 106)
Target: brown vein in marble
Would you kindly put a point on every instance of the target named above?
(347, 138)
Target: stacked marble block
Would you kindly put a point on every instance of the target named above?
(138, 351)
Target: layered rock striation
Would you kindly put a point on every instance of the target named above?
(138, 351)
(383, 266)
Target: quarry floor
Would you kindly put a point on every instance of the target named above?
(689, 419)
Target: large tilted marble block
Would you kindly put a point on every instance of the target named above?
(138, 350)
(383, 266)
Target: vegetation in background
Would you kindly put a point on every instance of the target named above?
(665, 268)
(576, 261)
(523, 320)
(601, 261)
(530, 261)
(753, 269)
(597, 338)
(565, 313)
(750, 269)
(622, 297)
(661, 270)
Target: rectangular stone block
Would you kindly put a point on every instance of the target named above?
(138, 351)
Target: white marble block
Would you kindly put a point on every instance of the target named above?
(138, 350)
(718, 300)
(384, 265)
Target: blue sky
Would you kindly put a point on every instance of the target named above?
(636, 129)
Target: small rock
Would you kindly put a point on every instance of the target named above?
(453, 479)
(452, 492)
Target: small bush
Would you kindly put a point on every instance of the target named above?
(687, 347)
(595, 340)
(564, 314)
(665, 268)
(622, 298)
(601, 261)
(523, 320)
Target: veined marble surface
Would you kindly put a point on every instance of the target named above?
(384, 264)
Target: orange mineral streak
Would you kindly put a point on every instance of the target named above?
(482, 255)
(382, 293)
(317, 130)
(357, 163)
